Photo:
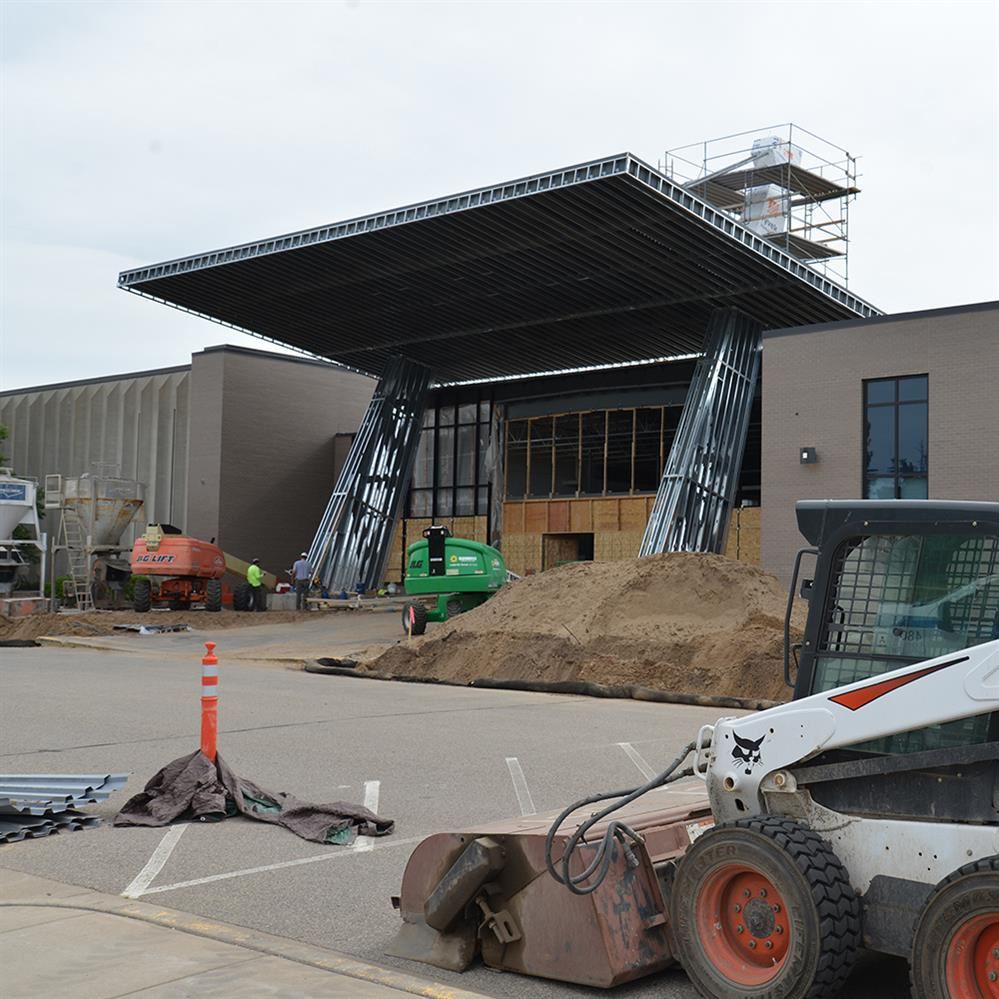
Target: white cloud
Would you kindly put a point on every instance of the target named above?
(139, 132)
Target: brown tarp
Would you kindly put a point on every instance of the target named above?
(194, 788)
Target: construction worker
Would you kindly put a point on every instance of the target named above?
(255, 577)
(301, 572)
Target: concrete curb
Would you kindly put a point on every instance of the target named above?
(262, 943)
(582, 688)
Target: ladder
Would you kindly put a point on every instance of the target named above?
(78, 585)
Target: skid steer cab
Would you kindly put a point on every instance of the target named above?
(461, 574)
(862, 813)
(173, 569)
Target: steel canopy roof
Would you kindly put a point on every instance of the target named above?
(604, 263)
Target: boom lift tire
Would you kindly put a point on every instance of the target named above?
(213, 595)
(955, 951)
(764, 906)
(419, 625)
(142, 596)
(241, 597)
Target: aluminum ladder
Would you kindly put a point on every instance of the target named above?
(78, 585)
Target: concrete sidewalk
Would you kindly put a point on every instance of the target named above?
(63, 940)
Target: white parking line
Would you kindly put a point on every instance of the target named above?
(246, 872)
(155, 863)
(371, 792)
(636, 757)
(520, 787)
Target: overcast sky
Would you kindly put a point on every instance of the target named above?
(137, 132)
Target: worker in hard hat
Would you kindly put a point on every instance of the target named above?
(301, 573)
(255, 577)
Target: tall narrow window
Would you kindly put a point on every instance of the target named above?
(896, 435)
(516, 459)
(540, 482)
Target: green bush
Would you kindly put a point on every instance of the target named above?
(60, 587)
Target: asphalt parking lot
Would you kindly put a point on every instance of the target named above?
(431, 757)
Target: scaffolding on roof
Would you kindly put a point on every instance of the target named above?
(784, 183)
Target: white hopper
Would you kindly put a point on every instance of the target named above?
(105, 505)
(17, 500)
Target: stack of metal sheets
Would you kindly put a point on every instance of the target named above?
(34, 805)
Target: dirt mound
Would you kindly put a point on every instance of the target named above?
(699, 624)
(103, 622)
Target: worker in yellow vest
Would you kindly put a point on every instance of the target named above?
(255, 577)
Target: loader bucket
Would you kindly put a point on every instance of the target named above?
(487, 893)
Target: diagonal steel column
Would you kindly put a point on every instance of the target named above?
(353, 537)
(702, 472)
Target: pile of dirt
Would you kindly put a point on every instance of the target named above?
(103, 622)
(690, 623)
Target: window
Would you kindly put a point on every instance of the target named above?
(599, 453)
(451, 472)
(896, 432)
(516, 459)
(542, 443)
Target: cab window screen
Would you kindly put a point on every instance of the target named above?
(902, 599)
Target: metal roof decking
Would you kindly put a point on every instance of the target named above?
(604, 263)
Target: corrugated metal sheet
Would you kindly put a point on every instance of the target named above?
(49, 794)
(17, 827)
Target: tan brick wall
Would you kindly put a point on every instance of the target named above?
(813, 396)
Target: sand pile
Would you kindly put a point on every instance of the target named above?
(103, 622)
(699, 624)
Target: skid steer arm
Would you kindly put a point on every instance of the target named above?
(746, 751)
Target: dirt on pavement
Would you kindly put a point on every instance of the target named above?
(690, 623)
(103, 622)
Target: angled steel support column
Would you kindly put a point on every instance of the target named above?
(353, 538)
(702, 472)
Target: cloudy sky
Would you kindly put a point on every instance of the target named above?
(136, 132)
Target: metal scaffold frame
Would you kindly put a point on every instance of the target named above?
(794, 191)
(702, 473)
(352, 541)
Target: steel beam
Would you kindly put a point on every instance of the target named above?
(352, 541)
(702, 472)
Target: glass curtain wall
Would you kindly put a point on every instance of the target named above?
(450, 477)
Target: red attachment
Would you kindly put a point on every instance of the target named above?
(743, 924)
(209, 702)
(971, 965)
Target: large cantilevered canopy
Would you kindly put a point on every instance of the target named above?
(604, 263)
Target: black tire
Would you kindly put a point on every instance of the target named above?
(241, 597)
(960, 916)
(454, 608)
(419, 618)
(142, 596)
(213, 595)
(734, 941)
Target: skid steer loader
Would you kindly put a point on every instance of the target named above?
(863, 813)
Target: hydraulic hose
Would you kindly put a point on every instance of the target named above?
(600, 864)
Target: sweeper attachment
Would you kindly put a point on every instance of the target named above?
(865, 812)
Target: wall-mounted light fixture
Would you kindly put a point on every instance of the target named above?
(807, 455)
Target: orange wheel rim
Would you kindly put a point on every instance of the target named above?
(971, 966)
(743, 925)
